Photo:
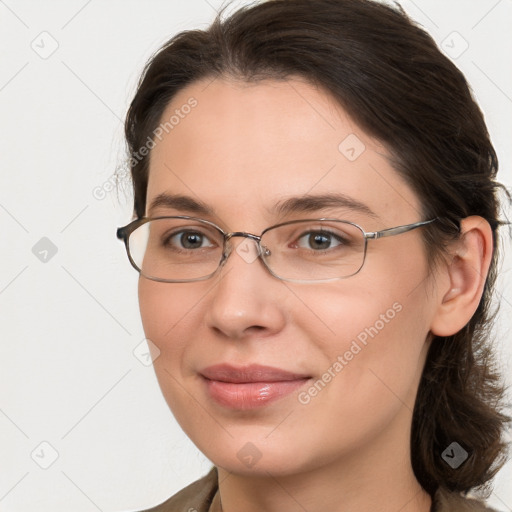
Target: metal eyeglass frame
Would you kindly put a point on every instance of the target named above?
(123, 234)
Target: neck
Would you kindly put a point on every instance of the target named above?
(378, 476)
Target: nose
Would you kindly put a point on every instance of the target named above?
(246, 299)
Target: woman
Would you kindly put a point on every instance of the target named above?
(316, 231)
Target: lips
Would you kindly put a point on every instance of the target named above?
(251, 386)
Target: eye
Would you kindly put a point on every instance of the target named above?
(188, 240)
(319, 240)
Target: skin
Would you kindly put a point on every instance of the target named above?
(241, 150)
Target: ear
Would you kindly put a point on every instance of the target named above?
(463, 277)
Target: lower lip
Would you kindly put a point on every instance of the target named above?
(250, 395)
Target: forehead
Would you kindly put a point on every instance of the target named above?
(247, 146)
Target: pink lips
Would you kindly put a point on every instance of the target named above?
(251, 386)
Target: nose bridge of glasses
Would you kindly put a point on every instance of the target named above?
(242, 234)
(256, 238)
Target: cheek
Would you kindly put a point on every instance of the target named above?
(167, 312)
(345, 311)
(374, 339)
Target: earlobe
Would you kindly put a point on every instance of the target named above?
(465, 272)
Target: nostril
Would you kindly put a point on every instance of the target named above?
(255, 328)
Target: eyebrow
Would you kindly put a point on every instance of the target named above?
(180, 202)
(313, 203)
(299, 204)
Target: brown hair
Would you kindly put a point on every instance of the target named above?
(391, 78)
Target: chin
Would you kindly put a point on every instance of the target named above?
(250, 450)
(252, 459)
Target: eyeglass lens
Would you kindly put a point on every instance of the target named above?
(186, 249)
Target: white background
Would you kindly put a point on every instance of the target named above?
(69, 326)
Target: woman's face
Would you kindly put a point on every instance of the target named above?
(346, 356)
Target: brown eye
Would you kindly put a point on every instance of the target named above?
(188, 240)
(319, 240)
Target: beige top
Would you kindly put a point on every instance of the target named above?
(202, 496)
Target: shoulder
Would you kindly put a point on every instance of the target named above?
(196, 497)
(446, 501)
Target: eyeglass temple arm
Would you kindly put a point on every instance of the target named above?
(397, 230)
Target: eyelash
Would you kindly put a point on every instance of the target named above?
(342, 241)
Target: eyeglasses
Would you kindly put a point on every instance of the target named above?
(182, 249)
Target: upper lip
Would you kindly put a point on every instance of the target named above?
(250, 373)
